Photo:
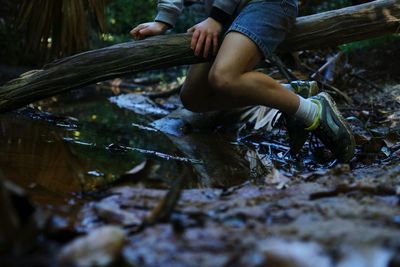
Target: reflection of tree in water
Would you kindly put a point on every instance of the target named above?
(34, 153)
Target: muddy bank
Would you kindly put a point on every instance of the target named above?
(335, 219)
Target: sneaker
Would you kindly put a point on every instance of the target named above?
(332, 129)
(297, 135)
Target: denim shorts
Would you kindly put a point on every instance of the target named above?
(266, 22)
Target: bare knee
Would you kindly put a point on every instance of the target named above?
(221, 80)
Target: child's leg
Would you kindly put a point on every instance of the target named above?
(230, 82)
(198, 95)
(232, 76)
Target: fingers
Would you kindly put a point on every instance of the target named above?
(201, 40)
(199, 44)
(145, 32)
(205, 38)
(195, 37)
(135, 31)
(207, 45)
(148, 29)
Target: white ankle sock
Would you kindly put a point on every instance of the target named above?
(307, 111)
(288, 86)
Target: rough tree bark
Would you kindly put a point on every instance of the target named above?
(320, 30)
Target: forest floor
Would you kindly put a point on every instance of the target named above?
(215, 198)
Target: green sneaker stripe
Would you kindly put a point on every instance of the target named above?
(317, 119)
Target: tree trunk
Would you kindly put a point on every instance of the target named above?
(316, 31)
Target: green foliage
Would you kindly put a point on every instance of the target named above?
(123, 15)
(308, 7)
(370, 43)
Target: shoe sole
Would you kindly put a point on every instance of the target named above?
(343, 121)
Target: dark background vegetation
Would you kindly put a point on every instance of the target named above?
(35, 32)
(72, 153)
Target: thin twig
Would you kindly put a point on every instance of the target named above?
(331, 61)
(164, 208)
(337, 90)
(162, 155)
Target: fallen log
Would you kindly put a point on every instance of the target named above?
(316, 31)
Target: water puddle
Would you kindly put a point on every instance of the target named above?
(81, 145)
(84, 141)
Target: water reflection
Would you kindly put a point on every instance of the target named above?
(67, 150)
(33, 155)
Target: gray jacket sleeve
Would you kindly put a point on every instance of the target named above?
(228, 6)
(169, 11)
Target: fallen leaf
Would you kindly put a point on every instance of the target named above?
(314, 174)
(385, 150)
(278, 179)
(138, 168)
(391, 139)
(100, 248)
(361, 139)
(281, 253)
(112, 213)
